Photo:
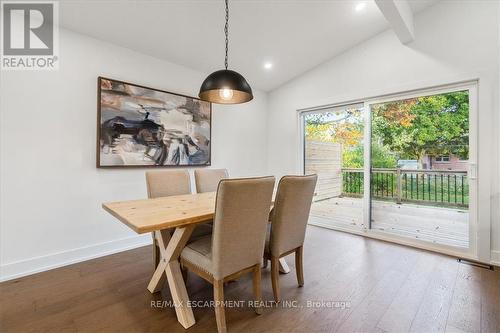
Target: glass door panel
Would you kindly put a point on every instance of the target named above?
(419, 185)
(334, 149)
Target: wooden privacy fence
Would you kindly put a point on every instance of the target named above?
(437, 187)
(324, 159)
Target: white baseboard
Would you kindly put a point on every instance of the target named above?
(495, 258)
(43, 263)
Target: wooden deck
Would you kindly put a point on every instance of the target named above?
(437, 225)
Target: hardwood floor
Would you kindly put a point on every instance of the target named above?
(378, 287)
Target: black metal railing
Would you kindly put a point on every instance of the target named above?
(438, 187)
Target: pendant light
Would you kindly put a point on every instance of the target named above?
(226, 86)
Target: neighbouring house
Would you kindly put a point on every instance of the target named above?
(439, 162)
(446, 162)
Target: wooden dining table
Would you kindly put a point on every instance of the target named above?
(180, 213)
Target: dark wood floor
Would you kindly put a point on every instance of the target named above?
(387, 288)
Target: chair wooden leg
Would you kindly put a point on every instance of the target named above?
(299, 267)
(156, 252)
(275, 275)
(184, 273)
(220, 315)
(257, 290)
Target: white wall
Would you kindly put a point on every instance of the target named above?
(51, 192)
(455, 41)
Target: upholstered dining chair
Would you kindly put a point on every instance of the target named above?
(167, 183)
(207, 180)
(288, 225)
(237, 242)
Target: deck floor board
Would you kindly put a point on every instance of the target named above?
(438, 225)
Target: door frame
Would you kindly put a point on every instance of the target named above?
(474, 227)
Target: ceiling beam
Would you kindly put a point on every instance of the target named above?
(400, 17)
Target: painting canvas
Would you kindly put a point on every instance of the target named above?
(141, 126)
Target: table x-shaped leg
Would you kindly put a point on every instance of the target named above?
(284, 266)
(169, 268)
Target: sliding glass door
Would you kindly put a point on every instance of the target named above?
(400, 167)
(334, 149)
(419, 167)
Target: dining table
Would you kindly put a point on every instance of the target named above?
(171, 219)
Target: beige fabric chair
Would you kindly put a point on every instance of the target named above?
(288, 225)
(237, 242)
(166, 183)
(207, 180)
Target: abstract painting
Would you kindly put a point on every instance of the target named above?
(140, 126)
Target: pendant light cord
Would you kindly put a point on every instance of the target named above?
(226, 32)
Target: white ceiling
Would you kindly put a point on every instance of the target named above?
(294, 35)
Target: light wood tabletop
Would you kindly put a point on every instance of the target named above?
(148, 215)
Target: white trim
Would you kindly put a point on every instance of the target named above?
(367, 168)
(34, 265)
(332, 107)
(428, 91)
(471, 86)
(495, 258)
(301, 155)
(378, 93)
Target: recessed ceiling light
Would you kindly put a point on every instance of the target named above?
(268, 65)
(360, 6)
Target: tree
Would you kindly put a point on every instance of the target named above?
(345, 128)
(405, 129)
(381, 157)
(430, 125)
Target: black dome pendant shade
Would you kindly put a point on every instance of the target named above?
(225, 86)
